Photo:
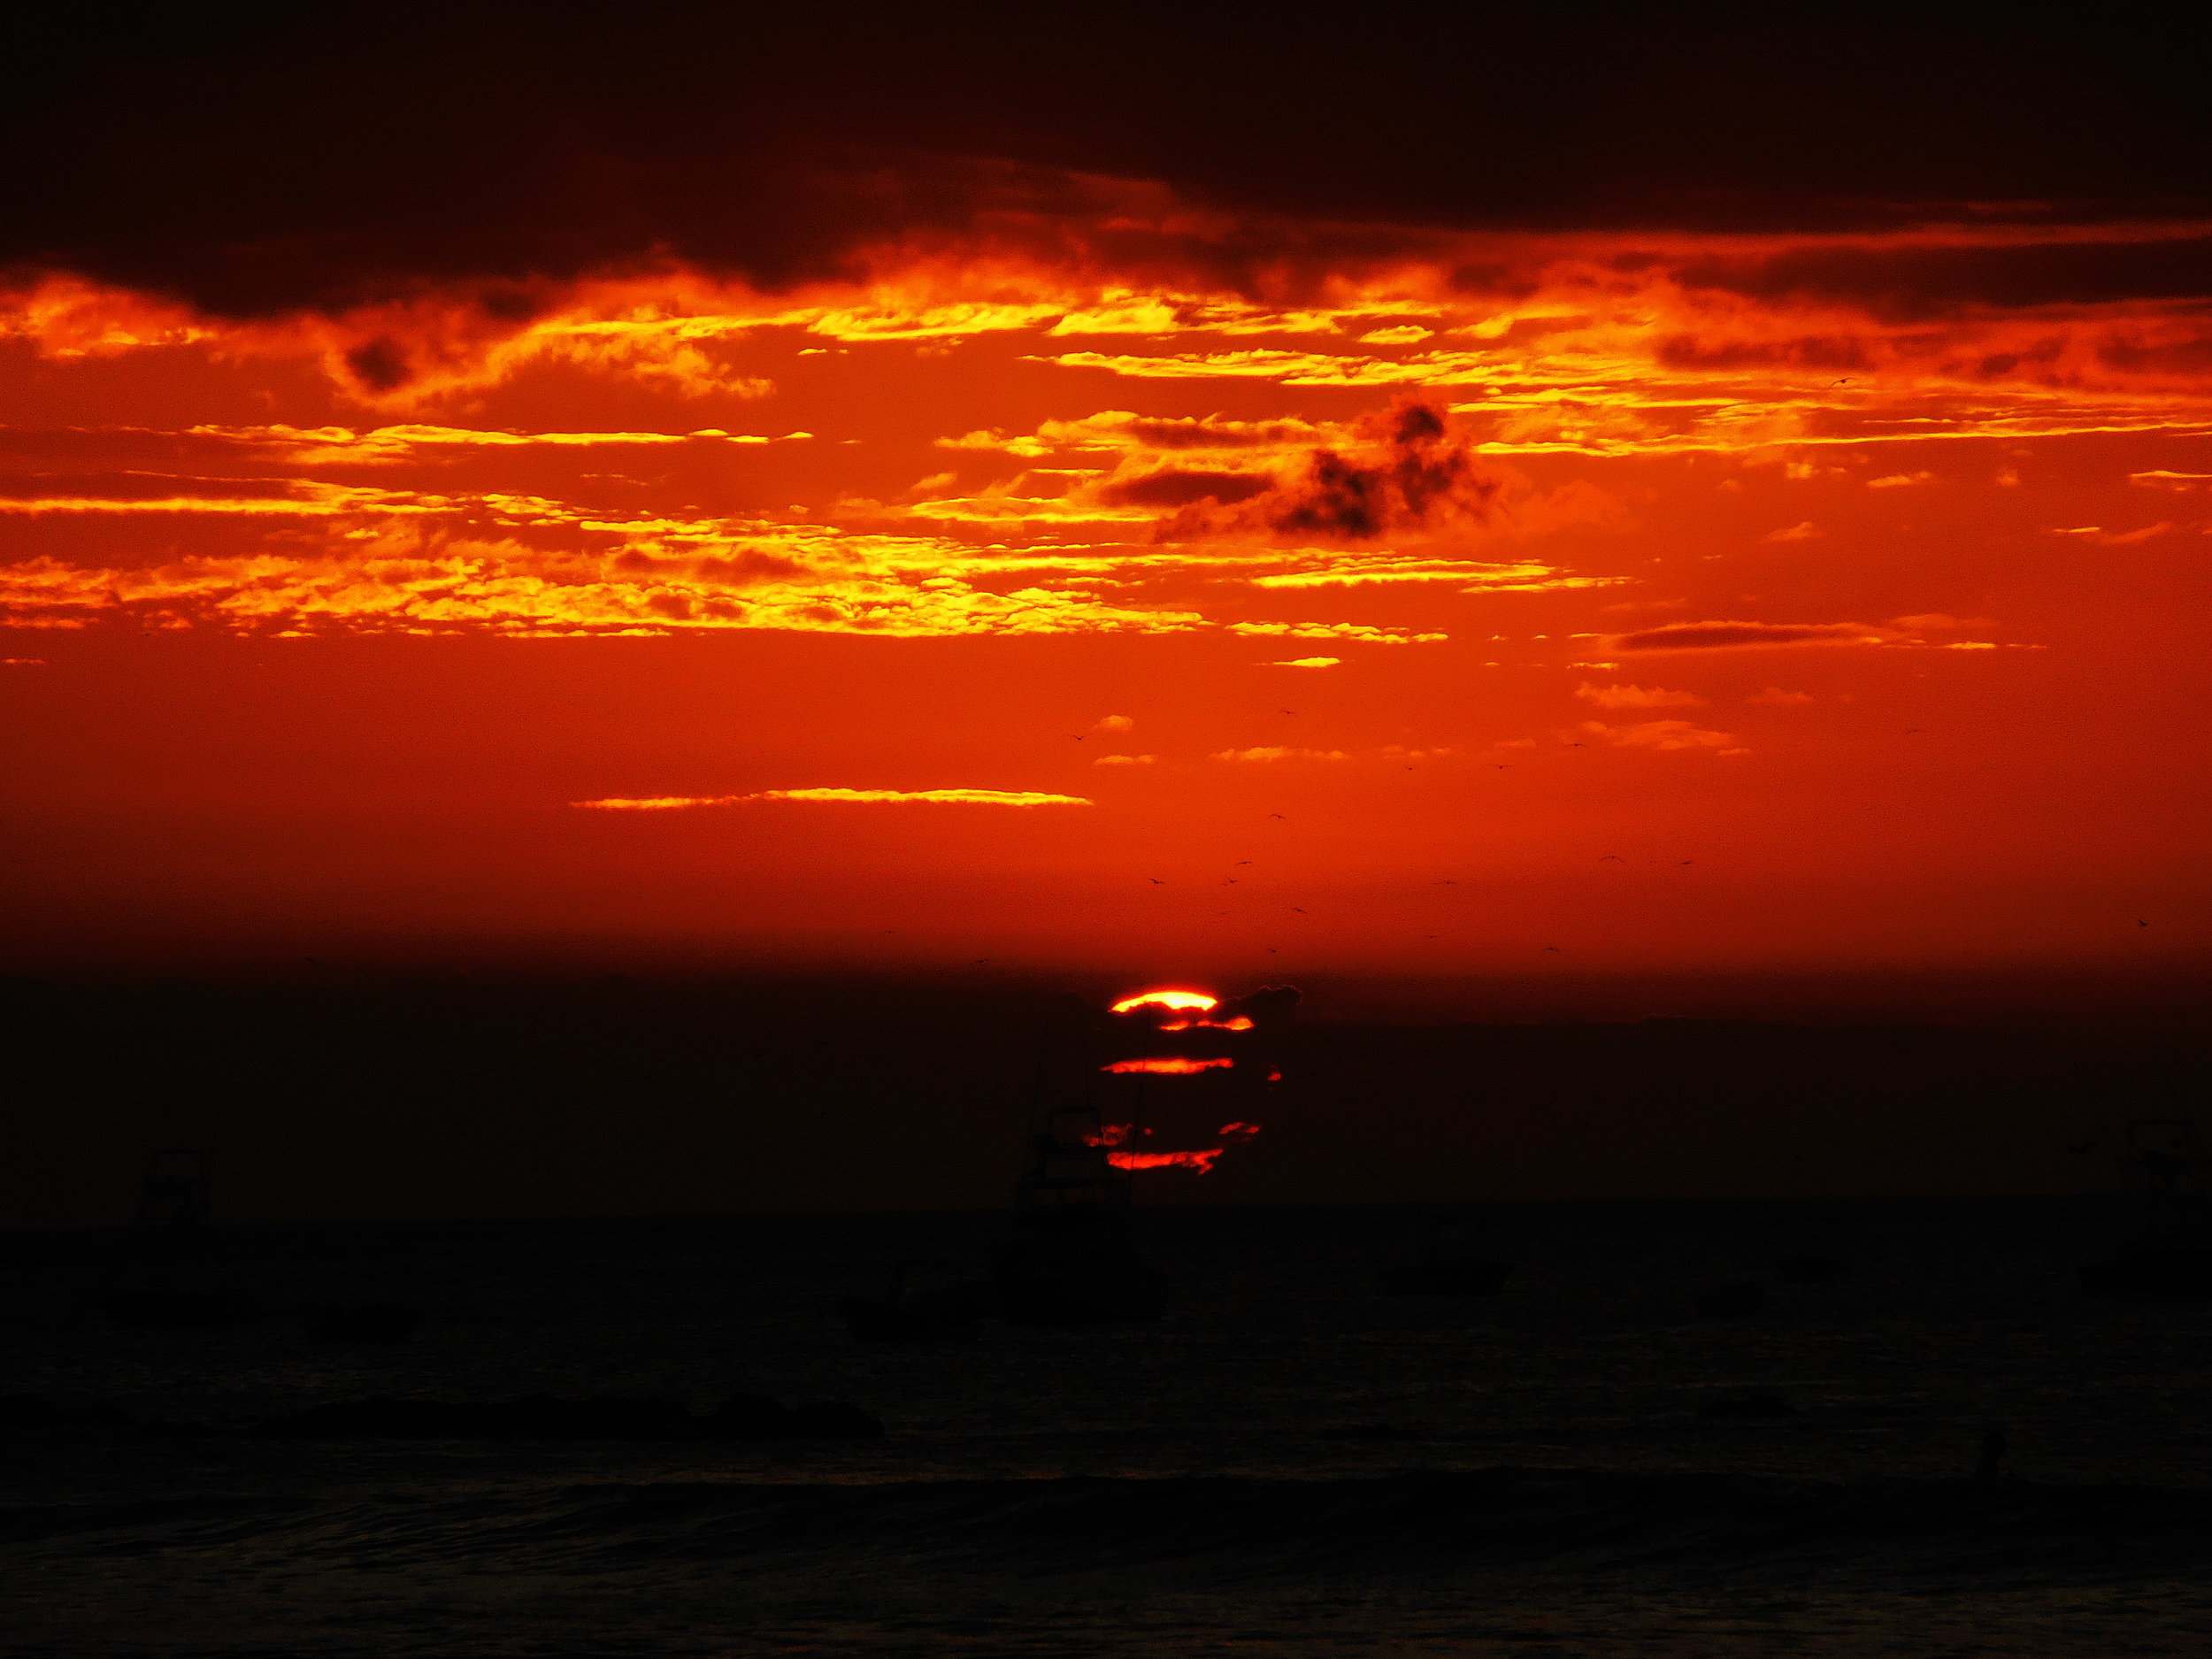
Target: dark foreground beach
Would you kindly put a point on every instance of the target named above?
(1289, 1463)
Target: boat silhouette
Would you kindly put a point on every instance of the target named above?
(906, 1313)
(1068, 1254)
(166, 1231)
(377, 1322)
(2165, 1174)
(1166, 1080)
(1453, 1256)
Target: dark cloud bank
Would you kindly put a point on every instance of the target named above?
(255, 159)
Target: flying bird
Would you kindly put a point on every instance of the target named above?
(2139, 922)
(1448, 882)
(1274, 815)
(1614, 857)
(1156, 881)
(1300, 909)
(1240, 861)
(1503, 768)
(1689, 861)
(1551, 946)
(1228, 881)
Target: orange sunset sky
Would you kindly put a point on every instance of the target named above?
(1116, 575)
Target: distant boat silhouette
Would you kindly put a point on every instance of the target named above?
(174, 1310)
(1760, 1404)
(377, 1322)
(903, 1313)
(1738, 1300)
(2164, 1169)
(1808, 1268)
(174, 1193)
(1069, 1253)
(1453, 1257)
(172, 1210)
(2169, 1268)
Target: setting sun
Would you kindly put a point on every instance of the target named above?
(1197, 1000)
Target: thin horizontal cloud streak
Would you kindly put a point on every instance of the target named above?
(1712, 637)
(840, 796)
(1666, 736)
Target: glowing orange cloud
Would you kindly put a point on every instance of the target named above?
(1600, 342)
(956, 797)
(1167, 999)
(1173, 1065)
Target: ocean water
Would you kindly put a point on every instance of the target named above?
(1289, 1462)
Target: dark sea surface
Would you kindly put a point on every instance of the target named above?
(1289, 1463)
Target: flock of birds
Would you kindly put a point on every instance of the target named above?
(1297, 910)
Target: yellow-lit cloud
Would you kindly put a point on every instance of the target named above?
(954, 798)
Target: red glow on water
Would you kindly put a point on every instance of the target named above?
(1239, 1132)
(1166, 999)
(1173, 1065)
(1239, 1024)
